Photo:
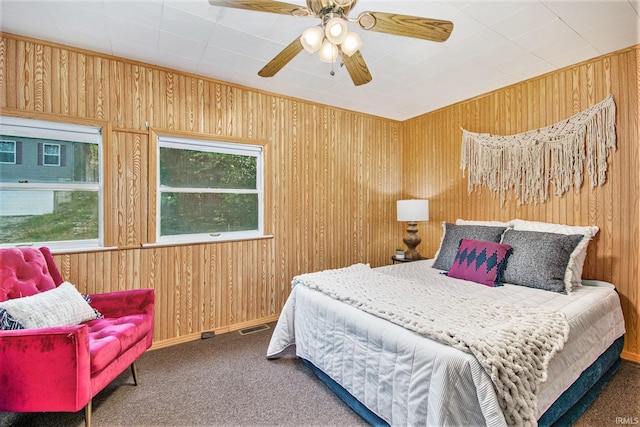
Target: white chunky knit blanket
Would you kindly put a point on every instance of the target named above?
(513, 344)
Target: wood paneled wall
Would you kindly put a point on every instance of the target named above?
(331, 181)
(432, 148)
(331, 177)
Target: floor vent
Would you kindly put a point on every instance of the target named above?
(253, 329)
(207, 334)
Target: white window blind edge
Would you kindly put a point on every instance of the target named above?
(204, 145)
(30, 128)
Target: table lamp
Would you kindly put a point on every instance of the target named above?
(412, 211)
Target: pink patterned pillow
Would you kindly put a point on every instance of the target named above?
(480, 261)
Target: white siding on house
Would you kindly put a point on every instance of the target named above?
(25, 202)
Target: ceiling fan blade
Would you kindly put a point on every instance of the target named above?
(281, 59)
(357, 68)
(264, 6)
(405, 25)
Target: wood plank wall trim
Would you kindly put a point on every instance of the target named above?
(331, 181)
(432, 147)
(335, 177)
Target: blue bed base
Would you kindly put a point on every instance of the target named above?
(564, 411)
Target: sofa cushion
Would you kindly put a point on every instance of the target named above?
(61, 306)
(110, 337)
(24, 272)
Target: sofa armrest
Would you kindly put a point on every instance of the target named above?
(122, 303)
(45, 369)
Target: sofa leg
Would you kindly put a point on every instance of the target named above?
(134, 372)
(87, 415)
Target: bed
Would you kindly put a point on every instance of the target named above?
(372, 346)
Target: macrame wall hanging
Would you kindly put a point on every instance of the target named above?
(528, 163)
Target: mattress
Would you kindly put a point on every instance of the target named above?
(407, 379)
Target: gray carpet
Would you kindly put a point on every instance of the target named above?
(227, 381)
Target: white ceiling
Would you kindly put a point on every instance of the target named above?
(493, 44)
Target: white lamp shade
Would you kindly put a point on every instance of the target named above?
(311, 39)
(413, 210)
(328, 51)
(336, 30)
(351, 44)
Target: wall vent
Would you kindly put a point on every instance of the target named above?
(253, 329)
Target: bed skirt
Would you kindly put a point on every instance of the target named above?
(564, 411)
(576, 399)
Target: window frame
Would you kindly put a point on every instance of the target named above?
(200, 142)
(45, 155)
(46, 127)
(14, 152)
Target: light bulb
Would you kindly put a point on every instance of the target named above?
(336, 30)
(328, 52)
(351, 44)
(311, 39)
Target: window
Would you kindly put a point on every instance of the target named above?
(8, 151)
(57, 206)
(208, 189)
(50, 154)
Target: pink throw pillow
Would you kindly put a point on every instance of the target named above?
(480, 261)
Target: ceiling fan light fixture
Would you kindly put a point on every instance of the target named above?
(311, 39)
(328, 52)
(336, 30)
(331, 38)
(351, 44)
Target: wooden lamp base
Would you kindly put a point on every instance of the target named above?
(412, 240)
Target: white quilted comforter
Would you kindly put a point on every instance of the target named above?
(407, 379)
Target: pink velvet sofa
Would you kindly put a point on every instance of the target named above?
(61, 368)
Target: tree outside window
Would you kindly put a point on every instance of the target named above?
(209, 188)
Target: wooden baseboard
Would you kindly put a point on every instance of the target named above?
(631, 357)
(197, 335)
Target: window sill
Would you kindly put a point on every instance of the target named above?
(57, 248)
(79, 247)
(181, 242)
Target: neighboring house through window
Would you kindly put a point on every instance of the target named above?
(50, 183)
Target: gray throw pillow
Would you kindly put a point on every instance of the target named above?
(539, 260)
(453, 234)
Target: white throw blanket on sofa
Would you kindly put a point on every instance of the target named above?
(513, 344)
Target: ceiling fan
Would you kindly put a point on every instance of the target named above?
(332, 38)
